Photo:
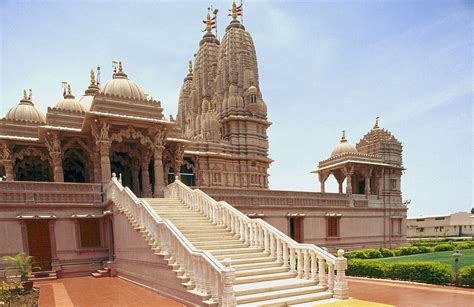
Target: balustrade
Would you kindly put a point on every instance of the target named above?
(307, 260)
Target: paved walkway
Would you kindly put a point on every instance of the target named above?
(408, 294)
(90, 291)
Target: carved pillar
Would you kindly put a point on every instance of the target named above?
(101, 135)
(158, 167)
(8, 165)
(135, 180)
(53, 143)
(55, 263)
(367, 182)
(340, 185)
(178, 160)
(322, 180)
(348, 171)
(104, 150)
(146, 189)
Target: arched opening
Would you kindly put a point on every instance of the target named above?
(121, 164)
(32, 168)
(187, 172)
(76, 165)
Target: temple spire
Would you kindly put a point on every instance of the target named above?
(234, 10)
(208, 21)
(25, 97)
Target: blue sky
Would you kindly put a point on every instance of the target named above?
(324, 66)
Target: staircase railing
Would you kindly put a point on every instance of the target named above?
(205, 273)
(306, 260)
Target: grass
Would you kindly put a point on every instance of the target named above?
(467, 258)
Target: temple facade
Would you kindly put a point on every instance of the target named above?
(56, 165)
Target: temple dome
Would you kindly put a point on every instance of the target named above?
(343, 147)
(26, 111)
(69, 103)
(120, 85)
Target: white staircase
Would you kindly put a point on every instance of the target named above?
(227, 257)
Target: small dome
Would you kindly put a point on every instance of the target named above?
(86, 102)
(120, 85)
(69, 103)
(343, 147)
(26, 111)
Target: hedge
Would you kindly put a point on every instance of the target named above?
(405, 251)
(443, 247)
(358, 267)
(466, 245)
(425, 272)
(387, 252)
(466, 276)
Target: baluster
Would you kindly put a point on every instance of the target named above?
(314, 266)
(340, 284)
(322, 271)
(241, 230)
(250, 226)
(307, 262)
(300, 263)
(246, 237)
(214, 287)
(199, 279)
(207, 277)
(272, 246)
(285, 254)
(292, 260)
(279, 251)
(266, 240)
(330, 276)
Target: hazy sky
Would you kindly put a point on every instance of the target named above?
(324, 66)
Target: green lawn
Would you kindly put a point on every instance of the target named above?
(467, 257)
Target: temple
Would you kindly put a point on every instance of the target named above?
(60, 203)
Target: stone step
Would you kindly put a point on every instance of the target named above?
(262, 271)
(273, 285)
(259, 278)
(248, 256)
(228, 252)
(261, 265)
(201, 227)
(286, 301)
(259, 259)
(278, 294)
(210, 237)
(226, 245)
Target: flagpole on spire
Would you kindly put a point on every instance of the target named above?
(210, 23)
(236, 11)
(241, 11)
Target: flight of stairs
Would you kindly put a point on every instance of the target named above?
(260, 279)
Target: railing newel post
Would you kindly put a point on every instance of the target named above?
(340, 285)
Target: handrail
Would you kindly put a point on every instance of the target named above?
(307, 260)
(205, 272)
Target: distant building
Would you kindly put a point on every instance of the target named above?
(454, 225)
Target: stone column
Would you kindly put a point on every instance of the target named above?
(146, 189)
(58, 173)
(349, 183)
(340, 185)
(55, 263)
(367, 186)
(104, 149)
(158, 167)
(135, 180)
(6, 160)
(322, 181)
(53, 143)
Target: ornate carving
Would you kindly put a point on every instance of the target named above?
(5, 152)
(130, 133)
(53, 143)
(31, 151)
(103, 134)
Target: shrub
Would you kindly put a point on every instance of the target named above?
(373, 253)
(466, 276)
(358, 267)
(357, 254)
(386, 252)
(466, 245)
(443, 247)
(424, 249)
(404, 251)
(426, 272)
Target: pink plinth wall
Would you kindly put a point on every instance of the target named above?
(134, 260)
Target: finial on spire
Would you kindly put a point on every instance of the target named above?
(208, 21)
(25, 97)
(92, 77)
(343, 138)
(376, 125)
(30, 94)
(234, 10)
(120, 67)
(69, 92)
(190, 66)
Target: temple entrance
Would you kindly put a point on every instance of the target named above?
(32, 168)
(296, 231)
(39, 243)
